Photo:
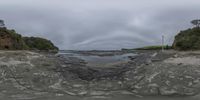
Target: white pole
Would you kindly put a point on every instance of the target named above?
(163, 40)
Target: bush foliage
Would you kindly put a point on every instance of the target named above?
(188, 39)
(37, 43)
(158, 47)
(26, 43)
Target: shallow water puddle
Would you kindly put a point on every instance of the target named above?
(101, 61)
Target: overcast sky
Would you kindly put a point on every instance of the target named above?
(100, 24)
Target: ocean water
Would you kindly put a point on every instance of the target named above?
(101, 61)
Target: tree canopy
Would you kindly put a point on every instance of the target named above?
(188, 40)
(2, 23)
(196, 22)
(38, 43)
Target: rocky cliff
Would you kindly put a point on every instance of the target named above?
(11, 40)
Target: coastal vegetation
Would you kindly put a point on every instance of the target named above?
(188, 39)
(11, 40)
(39, 43)
(156, 47)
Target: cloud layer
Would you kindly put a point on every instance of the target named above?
(100, 24)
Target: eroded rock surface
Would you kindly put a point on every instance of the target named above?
(31, 75)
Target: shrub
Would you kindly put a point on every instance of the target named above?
(14, 41)
(37, 43)
(187, 40)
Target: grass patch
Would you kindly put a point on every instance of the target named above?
(159, 47)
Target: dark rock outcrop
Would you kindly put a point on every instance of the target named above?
(9, 39)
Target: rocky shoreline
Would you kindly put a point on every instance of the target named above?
(27, 74)
(149, 73)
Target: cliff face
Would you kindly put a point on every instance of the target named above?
(5, 42)
(10, 40)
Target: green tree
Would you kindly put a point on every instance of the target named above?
(196, 22)
(2, 23)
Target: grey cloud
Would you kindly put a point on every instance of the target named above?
(100, 24)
